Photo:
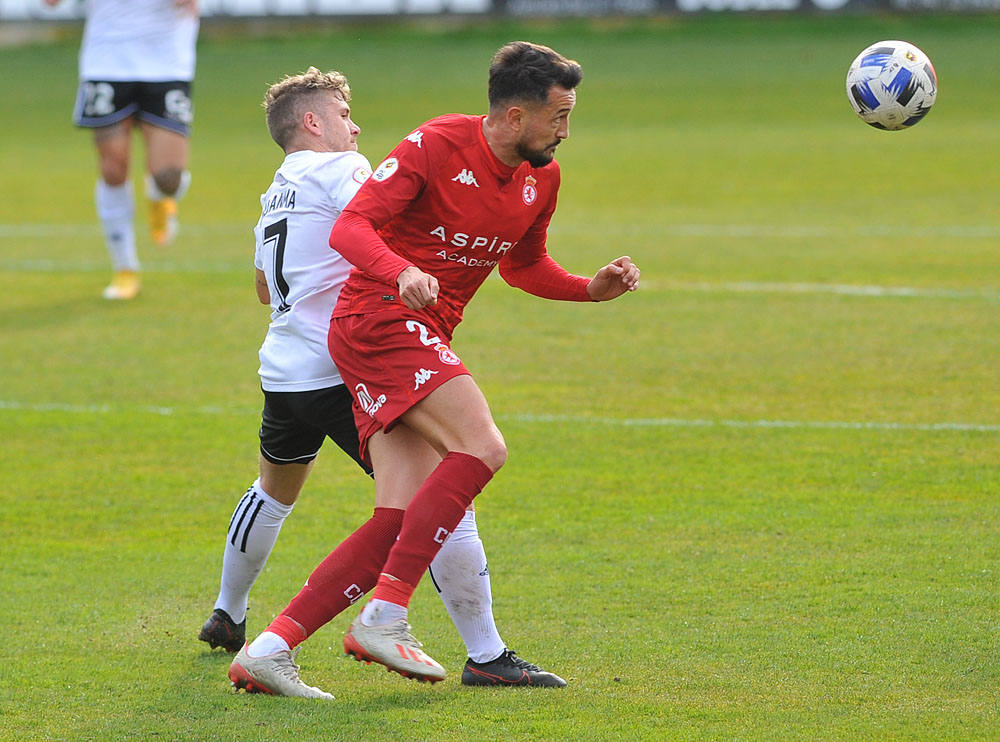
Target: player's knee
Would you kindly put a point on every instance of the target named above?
(114, 172)
(168, 180)
(494, 454)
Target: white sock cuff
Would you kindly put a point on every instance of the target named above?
(467, 530)
(114, 202)
(271, 506)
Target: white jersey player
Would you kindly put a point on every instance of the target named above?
(305, 401)
(137, 63)
(303, 275)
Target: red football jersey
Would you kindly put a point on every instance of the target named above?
(443, 202)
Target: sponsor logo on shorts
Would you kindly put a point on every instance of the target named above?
(417, 138)
(422, 376)
(369, 404)
(447, 355)
(178, 106)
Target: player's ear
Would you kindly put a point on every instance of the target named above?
(514, 118)
(311, 123)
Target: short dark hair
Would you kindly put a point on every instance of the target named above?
(522, 71)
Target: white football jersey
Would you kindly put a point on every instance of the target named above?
(304, 274)
(138, 41)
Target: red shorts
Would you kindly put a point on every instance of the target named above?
(389, 361)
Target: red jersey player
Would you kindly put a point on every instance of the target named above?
(458, 197)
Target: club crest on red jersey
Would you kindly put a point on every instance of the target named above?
(529, 193)
(447, 355)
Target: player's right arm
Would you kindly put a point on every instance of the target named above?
(394, 185)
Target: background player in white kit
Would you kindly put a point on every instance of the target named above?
(305, 399)
(136, 66)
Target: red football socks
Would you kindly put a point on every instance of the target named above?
(341, 579)
(430, 518)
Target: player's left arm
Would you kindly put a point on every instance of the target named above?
(614, 279)
(530, 268)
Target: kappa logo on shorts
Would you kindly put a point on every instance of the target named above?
(422, 376)
(417, 138)
(368, 403)
(447, 355)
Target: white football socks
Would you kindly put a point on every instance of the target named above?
(266, 644)
(462, 578)
(116, 211)
(254, 528)
(381, 612)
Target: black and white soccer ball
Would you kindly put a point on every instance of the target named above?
(891, 85)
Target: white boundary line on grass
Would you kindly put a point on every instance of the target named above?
(673, 422)
(769, 287)
(628, 422)
(155, 265)
(745, 231)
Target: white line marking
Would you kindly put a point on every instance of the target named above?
(767, 287)
(627, 422)
(45, 265)
(28, 230)
(794, 231)
(738, 231)
(671, 422)
(151, 265)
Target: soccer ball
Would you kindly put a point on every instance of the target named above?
(891, 85)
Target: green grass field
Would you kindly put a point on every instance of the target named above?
(756, 500)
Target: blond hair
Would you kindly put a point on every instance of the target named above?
(287, 99)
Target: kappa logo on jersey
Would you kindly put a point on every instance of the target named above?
(422, 376)
(447, 355)
(466, 178)
(386, 170)
(368, 403)
(361, 175)
(529, 193)
(417, 138)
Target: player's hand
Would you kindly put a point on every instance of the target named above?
(614, 279)
(416, 288)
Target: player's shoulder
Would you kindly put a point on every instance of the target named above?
(452, 130)
(333, 167)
